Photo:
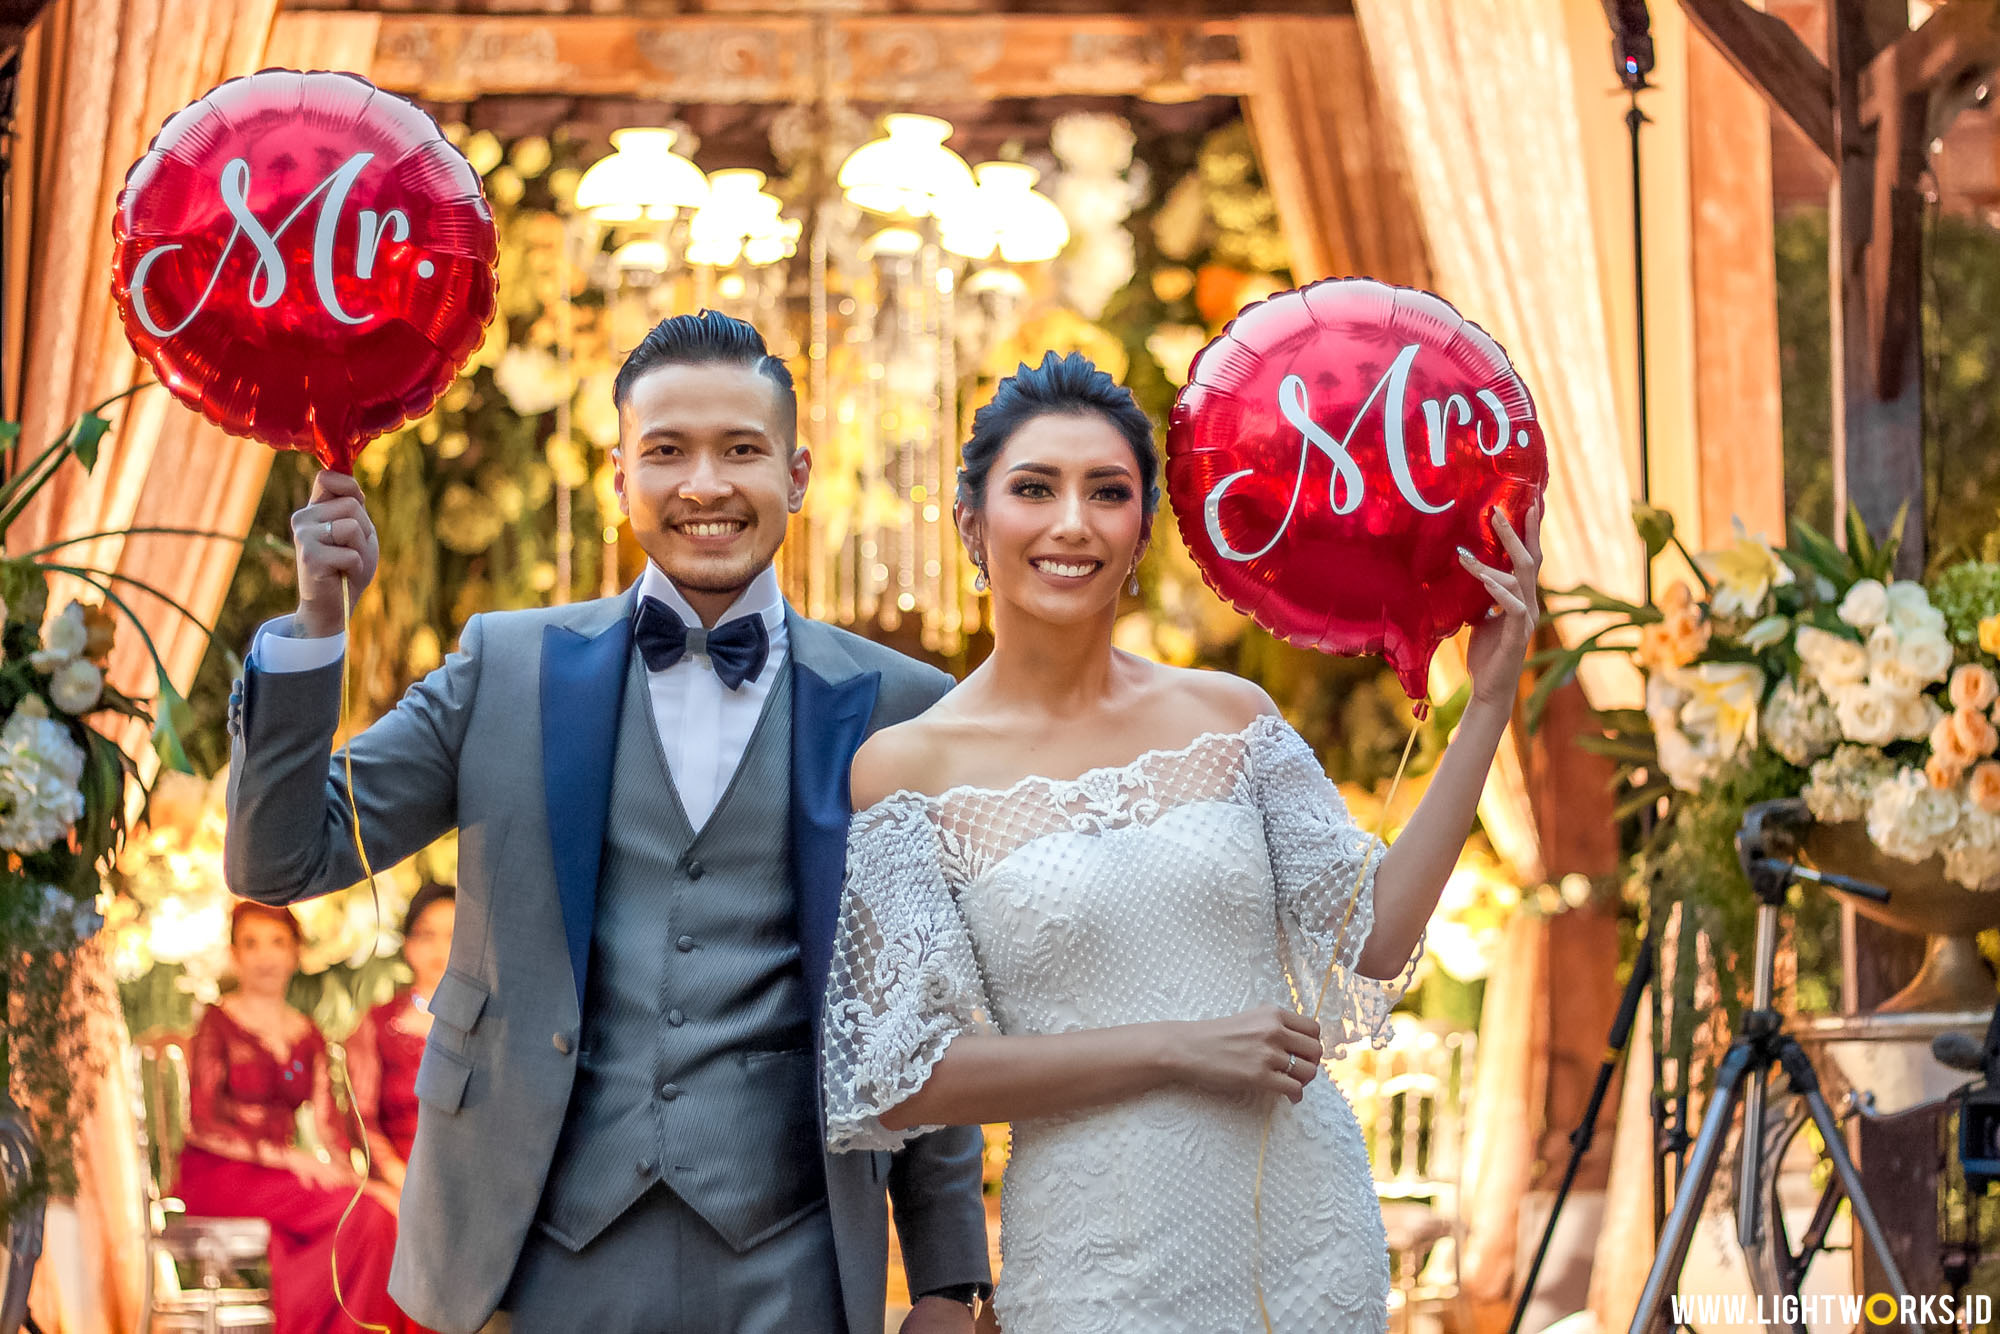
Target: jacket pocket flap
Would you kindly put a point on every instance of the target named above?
(441, 1078)
(458, 1002)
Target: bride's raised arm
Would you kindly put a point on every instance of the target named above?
(1414, 871)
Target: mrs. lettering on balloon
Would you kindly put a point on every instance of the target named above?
(268, 279)
(1346, 486)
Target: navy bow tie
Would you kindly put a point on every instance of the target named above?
(738, 648)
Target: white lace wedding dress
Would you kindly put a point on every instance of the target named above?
(1188, 884)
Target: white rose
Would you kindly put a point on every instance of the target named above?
(1833, 659)
(62, 639)
(1909, 819)
(1972, 855)
(1865, 605)
(77, 686)
(1867, 714)
(1882, 644)
(1910, 608)
(1916, 715)
(1924, 654)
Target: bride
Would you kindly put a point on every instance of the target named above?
(1083, 892)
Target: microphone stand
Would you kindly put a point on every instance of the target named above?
(1632, 53)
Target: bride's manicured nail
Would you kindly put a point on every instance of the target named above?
(1465, 555)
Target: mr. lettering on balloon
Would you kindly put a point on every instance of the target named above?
(1346, 487)
(268, 279)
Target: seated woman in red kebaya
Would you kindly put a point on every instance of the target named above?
(253, 1063)
(384, 1052)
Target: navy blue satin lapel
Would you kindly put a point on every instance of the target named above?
(583, 690)
(829, 723)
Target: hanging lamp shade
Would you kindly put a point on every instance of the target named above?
(740, 220)
(643, 178)
(907, 171)
(1005, 211)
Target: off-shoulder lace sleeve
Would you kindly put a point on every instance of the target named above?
(904, 980)
(1323, 862)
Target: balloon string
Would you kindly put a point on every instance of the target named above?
(375, 898)
(1325, 984)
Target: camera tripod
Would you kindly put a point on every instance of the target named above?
(1760, 1049)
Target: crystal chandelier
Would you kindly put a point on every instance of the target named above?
(854, 275)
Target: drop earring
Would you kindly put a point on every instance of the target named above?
(979, 584)
(1132, 585)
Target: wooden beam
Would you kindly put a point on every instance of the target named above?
(1878, 461)
(1894, 263)
(1958, 44)
(1764, 50)
(875, 58)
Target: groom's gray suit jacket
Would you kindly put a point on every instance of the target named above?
(513, 742)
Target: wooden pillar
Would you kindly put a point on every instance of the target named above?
(1874, 251)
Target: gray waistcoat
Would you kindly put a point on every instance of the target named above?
(697, 1066)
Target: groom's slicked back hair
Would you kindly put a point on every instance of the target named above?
(710, 338)
(1071, 386)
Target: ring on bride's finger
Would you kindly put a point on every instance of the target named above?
(1291, 1059)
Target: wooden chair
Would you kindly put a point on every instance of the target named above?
(1409, 1098)
(195, 1267)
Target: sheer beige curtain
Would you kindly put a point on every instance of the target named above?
(1331, 155)
(1497, 167)
(1334, 157)
(98, 77)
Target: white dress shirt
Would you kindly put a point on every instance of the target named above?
(704, 726)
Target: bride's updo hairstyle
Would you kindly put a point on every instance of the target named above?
(1068, 386)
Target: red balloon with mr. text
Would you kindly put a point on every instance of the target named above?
(1333, 449)
(304, 259)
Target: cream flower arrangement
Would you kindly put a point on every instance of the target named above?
(1881, 704)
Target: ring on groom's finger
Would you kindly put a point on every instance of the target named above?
(326, 531)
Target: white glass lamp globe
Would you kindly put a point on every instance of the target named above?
(643, 178)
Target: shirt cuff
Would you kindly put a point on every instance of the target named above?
(276, 654)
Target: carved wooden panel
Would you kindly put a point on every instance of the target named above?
(901, 58)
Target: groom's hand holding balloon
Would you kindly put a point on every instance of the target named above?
(336, 542)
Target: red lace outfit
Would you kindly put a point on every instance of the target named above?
(235, 1164)
(382, 1059)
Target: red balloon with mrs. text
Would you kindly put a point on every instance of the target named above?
(305, 260)
(1333, 449)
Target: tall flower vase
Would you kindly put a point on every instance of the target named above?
(23, 1227)
(1925, 902)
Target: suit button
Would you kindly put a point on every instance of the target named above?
(647, 1167)
(694, 870)
(670, 1091)
(684, 944)
(676, 1018)
(564, 1043)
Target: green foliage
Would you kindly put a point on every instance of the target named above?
(1690, 861)
(1967, 594)
(1961, 393)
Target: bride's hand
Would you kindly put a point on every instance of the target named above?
(1499, 641)
(1271, 1051)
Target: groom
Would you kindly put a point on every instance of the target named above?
(620, 1129)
